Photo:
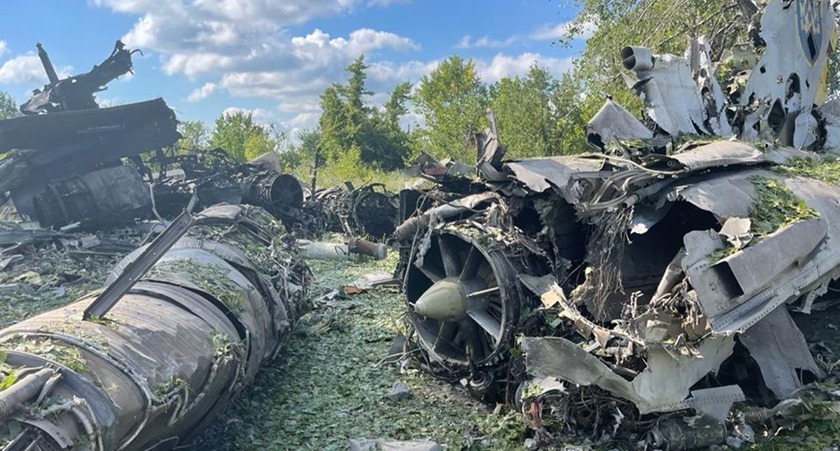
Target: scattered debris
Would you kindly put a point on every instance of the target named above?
(369, 282)
(399, 392)
(650, 282)
(367, 211)
(339, 251)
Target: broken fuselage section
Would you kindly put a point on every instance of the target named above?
(654, 276)
(170, 354)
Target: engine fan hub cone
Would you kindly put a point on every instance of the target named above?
(446, 300)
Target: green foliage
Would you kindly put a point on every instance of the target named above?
(824, 169)
(348, 122)
(7, 381)
(774, 206)
(168, 386)
(243, 138)
(194, 135)
(452, 102)
(396, 104)
(526, 117)
(8, 107)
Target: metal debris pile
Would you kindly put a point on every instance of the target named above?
(69, 164)
(149, 366)
(367, 211)
(638, 293)
(184, 321)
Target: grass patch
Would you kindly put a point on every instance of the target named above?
(328, 388)
(823, 169)
(774, 207)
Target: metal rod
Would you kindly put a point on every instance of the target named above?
(483, 292)
(48, 66)
(136, 269)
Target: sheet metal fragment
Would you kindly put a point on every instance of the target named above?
(780, 349)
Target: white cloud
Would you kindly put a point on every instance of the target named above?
(467, 42)
(205, 91)
(245, 48)
(549, 32)
(510, 66)
(299, 123)
(23, 69)
(3, 47)
(259, 115)
(386, 72)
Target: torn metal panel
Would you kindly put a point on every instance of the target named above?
(717, 154)
(738, 291)
(667, 86)
(798, 35)
(830, 113)
(714, 100)
(806, 130)
(64, 133)
(77, 92)
(725, 197)
(781, 352)
(613, 121)
(411, 226)
(12, 233)
(662, 387)
(61, 145)
(540, 174)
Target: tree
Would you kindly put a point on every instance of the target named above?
(337, 131)
(244, 139)
(396, 104)
(194, 135)
(452, 101)
(526, 116)
(348, 122)
(8, 107)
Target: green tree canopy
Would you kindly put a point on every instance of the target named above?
(452, 101)
(8, 107)
(243, 138)
(194, 135)
(526, 118)
(348, 122)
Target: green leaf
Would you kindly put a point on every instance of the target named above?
(8, 381)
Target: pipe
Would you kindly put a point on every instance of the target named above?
(637, 58)
(13, 398)
(364, 247)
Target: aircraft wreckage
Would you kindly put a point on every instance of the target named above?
(645, 288)
(184, 323)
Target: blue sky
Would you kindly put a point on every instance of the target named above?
(273, 57)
